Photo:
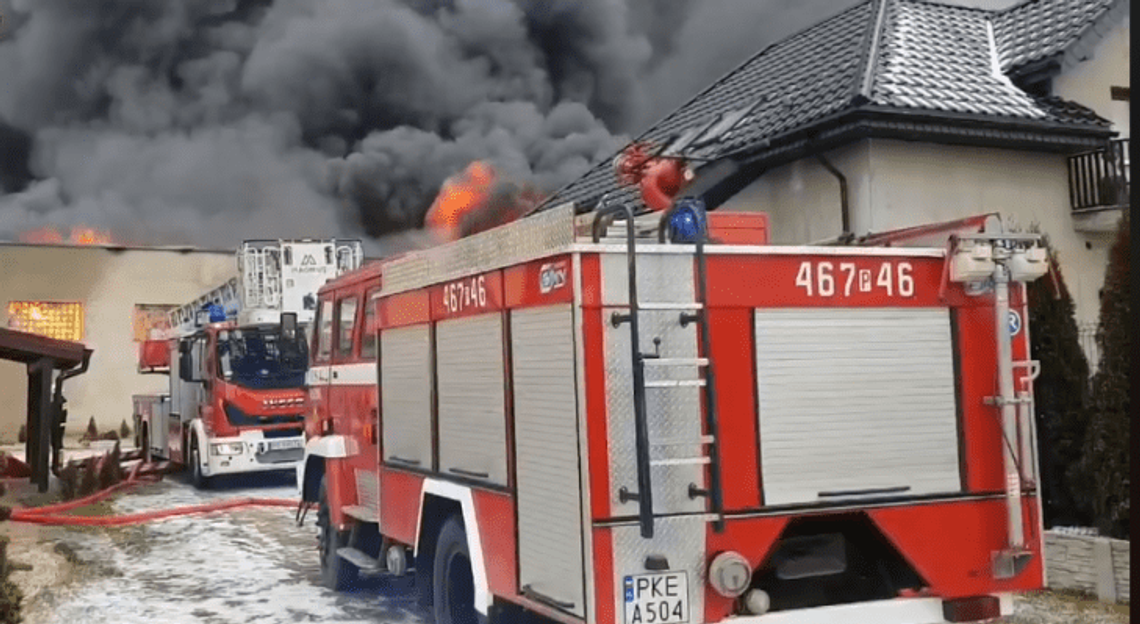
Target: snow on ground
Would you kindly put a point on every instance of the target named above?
(1055, 608)
(256, 565)
(246, 565)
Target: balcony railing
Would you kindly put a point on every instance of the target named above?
(1100, 180)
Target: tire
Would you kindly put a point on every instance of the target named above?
(200, 481)
(337, 573)
(453, 584)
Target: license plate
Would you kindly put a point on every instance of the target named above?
(280, 445)
(661, 598)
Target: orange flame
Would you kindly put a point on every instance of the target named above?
(475, 200)
(461, 195)
(79, 235)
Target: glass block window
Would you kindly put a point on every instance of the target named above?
(54, 319)
(151, 321)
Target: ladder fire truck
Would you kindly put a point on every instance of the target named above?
(236, 358)
(604, 417)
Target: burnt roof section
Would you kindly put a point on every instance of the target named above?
(28, 348)
(1038, 29)
(114, 247)
(917, 61)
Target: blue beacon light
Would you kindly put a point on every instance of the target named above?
(687, 223)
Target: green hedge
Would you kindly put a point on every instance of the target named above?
(1104, 466)
(1061, 397)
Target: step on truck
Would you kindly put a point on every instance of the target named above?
(236, 359)
(608, 418)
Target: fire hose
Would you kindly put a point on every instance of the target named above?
(52, 514)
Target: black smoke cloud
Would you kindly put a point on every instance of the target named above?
(210, 121)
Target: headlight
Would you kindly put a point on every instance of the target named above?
(226, 448)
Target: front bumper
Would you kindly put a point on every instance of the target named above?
(258, 454)
(894, 611)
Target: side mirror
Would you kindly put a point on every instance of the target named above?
(185, 364)
(289, 325)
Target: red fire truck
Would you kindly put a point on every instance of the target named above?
(614, 418)
(236, 358)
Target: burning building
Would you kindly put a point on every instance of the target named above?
(82, 286)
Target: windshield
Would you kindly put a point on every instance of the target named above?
(262, 358)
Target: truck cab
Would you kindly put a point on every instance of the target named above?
(343, 425)
(236, 401)
(237, 357)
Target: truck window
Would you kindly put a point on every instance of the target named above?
(324, 332)
(368, 336)
(262, 358)
(345, 326)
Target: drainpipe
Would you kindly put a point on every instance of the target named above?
(58, 417)
(845, 213)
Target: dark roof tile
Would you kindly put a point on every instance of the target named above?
(1069, 112)
(1037, 29)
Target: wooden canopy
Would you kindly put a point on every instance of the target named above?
(43, 356)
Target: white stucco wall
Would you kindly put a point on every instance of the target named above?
(109, 284)
(802, 198)
(895, 184)
(1090, 82)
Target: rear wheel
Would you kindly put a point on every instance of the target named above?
(337, 573)
(453, 586)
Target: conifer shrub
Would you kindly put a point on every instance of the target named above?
(1061, 397)
(1104, 465)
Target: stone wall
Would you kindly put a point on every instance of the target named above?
(1096, 565)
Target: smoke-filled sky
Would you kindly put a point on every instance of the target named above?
(210, 121)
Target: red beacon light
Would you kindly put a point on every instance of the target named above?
(659, 179)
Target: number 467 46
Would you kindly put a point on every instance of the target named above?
(826, 279)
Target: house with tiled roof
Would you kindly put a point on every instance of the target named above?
(895, 113)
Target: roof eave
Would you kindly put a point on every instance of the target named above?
(990, 121)
(889, 123)
(115, 248)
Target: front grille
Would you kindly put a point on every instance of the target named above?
(282, 433)
(238, 418)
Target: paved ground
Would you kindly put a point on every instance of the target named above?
(252, 565)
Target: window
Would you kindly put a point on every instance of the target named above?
(681, 141)
(324, 332)
(345, 327)
(53, 319)
(723, 124)
(1120, 94)
(151, 321)
(371, 328)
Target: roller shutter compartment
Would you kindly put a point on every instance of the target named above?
(405, 394)
(856, 403)
(472, 416)
(546, 441)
